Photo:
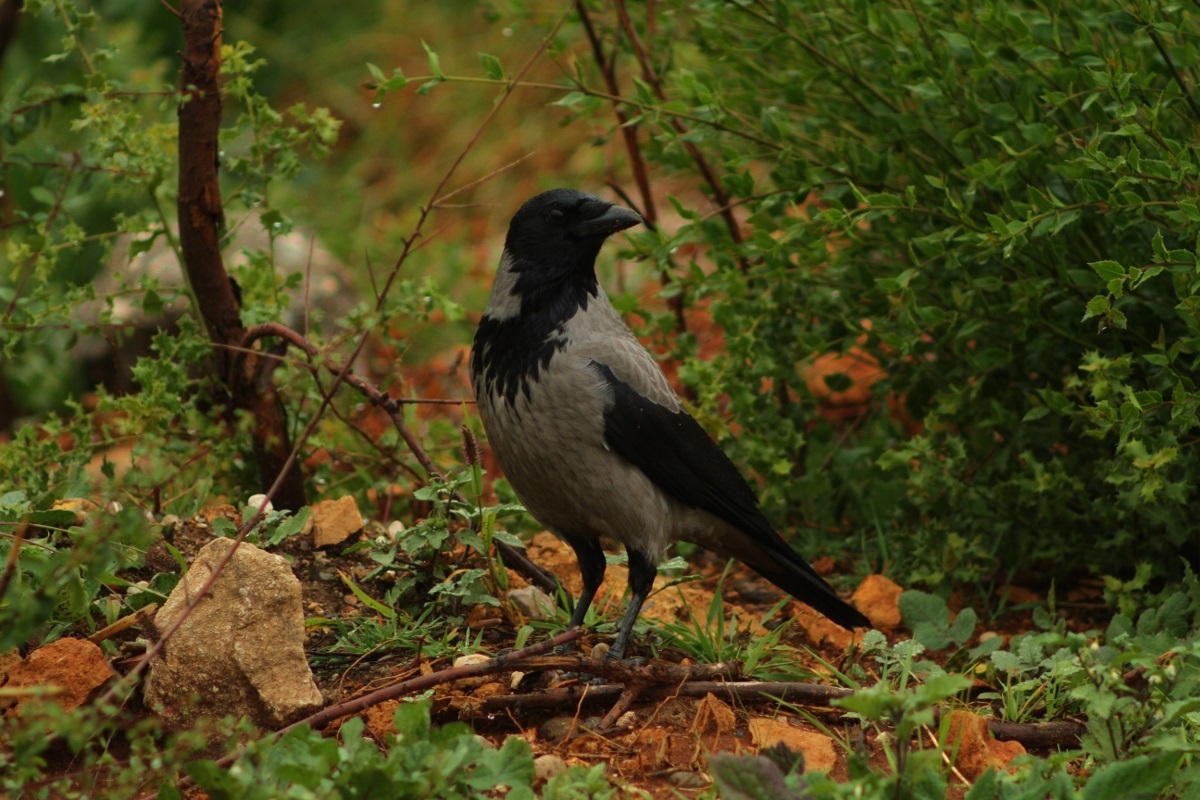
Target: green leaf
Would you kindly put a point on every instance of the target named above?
(1108, 270)
(927, 616)
(749, 778)
(491, 67)
(1139, 778)
(435, 63)
(51, 518)
(1097, 306)
(382, 609)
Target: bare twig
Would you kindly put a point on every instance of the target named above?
(651, 77)
(512, 556)
(1041, 735)
(637, 163)
(14, 555)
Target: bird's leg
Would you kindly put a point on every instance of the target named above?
(641, 580)
(591, 567)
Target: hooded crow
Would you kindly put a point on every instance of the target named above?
(589, 432)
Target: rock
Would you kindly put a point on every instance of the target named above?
(532, 602)
(220, 511)
(818, 749)
(546, 767)
(335, 521)
(65, 672)
(683, 779)
(974, 749)
(468, 660)
(253, 503)
(241, 649)
(755, 591)
(821, 630)
(1015, 595)
(380, 719)
(557, 729)
(878, 598)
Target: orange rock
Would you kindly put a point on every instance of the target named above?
(65, 672)
(220, 510)
(1018, 594)
(819, 750)
(878, 598)
(856, 365)
(974, 749)
(335, 521)
(820, 630)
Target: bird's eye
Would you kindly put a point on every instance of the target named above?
(556, 216)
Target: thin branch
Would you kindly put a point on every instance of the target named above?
(512, 556)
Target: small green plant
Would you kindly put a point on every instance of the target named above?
(418, 760)
(713, 639)
(415, 560)
(927, 616)
(580, 783)
(58, 572)
(900, 715)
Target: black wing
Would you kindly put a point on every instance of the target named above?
(681, 458)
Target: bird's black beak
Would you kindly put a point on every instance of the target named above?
(614, 218)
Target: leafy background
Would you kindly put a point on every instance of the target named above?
(929, 270)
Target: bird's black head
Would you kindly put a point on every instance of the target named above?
(563, 230)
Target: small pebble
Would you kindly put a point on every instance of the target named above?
(688, 780)
(546, 767)
(254, 501)
(556, 729)
(532, 602)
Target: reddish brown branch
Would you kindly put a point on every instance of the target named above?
(201, 216)
(505, 662)
(10, 17)
(637, 164)
(1040, 735)
(654, 81)
(201, 222)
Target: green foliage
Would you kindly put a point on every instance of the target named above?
(419, 760)
(996, 203)
(753, 778)
(711, 639)
(65, 574)
(580, 783)
(113, 757)
(927, 616)
(415, 556)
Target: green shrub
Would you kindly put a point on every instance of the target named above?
(997, 202)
